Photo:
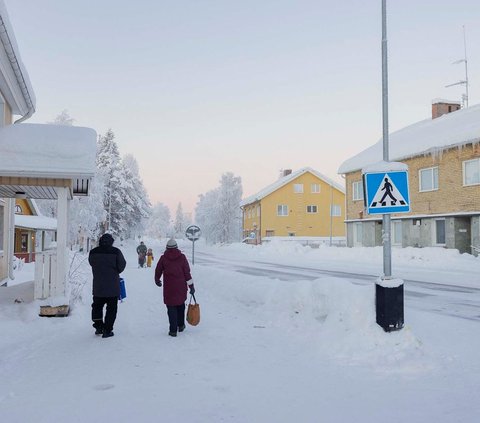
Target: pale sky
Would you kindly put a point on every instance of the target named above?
(195, 88)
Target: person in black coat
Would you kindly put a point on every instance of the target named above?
(107, 263)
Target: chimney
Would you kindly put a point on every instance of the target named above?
(442, 107)
(286, 172)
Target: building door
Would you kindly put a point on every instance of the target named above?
(358, 234)
(397, 232)
(439, 237)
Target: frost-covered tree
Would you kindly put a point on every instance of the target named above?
(205, 215)
(110, 167)
(125, 199)
(179, 224)
(218, 211)
(63, 118)
(159, 222)
(136, 197)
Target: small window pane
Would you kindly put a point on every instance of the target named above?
(472, 172)
(298, 188)
(315, 188)
(335, 210)
(311, 209)
(428, 179)
(357, 188)
(282, 210)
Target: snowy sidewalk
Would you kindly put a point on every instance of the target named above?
(265, 351)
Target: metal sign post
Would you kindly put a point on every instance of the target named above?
(387, 244)
(386, 192)
(193, 233)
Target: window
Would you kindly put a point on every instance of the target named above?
(282, 210)
(315, 188)
(357, 189)
(397, 232)
(311, 209)
(440, 231)
(269, 232)
(335, 210)
(428, 179)
(298, 188)
(471, 172)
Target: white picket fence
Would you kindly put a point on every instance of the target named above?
(45, 274)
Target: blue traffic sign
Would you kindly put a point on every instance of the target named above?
(387, 192)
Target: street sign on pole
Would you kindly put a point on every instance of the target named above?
(193, 233)
(387, 192)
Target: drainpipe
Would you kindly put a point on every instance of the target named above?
(7, 44)
(11, 237)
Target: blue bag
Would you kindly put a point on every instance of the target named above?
(123, 291)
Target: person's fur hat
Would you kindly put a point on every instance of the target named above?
(172, 243)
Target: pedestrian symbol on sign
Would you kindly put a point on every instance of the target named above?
(387, 192)
(389, 189)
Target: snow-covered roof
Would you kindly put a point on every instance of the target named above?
(383, 166)
(47, 151)
(35, 222)
(428, 136)
(285, 180)
(22, 97)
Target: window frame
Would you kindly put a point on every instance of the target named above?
(432, 169)
(283, 206)
(355, 191)
(332, 208)
(312, 212)
(315, 191)
(295, 188)
(464, 163)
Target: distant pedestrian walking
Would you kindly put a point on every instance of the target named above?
(174, 267)
(142, 253)
(107, 263)
(149, 257)
(388, 191)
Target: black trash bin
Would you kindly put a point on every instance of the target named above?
(389, 307)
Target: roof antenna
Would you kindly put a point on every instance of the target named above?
(464, 81)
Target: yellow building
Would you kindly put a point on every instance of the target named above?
(304, 203)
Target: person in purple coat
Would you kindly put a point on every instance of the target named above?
(174, 267)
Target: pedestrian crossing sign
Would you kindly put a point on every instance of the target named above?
(387, 192)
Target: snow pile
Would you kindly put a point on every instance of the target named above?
(335, 317)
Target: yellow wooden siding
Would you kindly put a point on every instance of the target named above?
(298, 221)
(26, 210)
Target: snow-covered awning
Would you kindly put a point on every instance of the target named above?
(35, 222)
(36, 158)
